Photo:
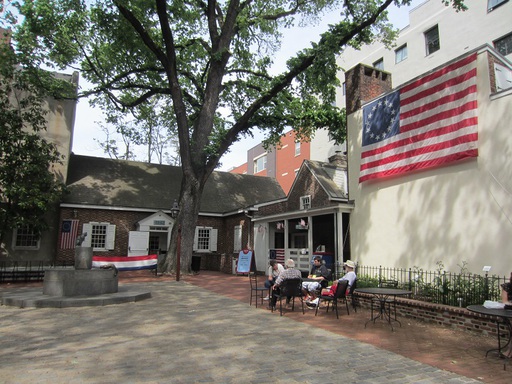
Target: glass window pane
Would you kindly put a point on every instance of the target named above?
(99, 236)
(401, 54)
(26, 237)
(432, 40)
(491, 4)
(379, 64)
(504, 45)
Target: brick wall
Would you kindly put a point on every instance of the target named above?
(445, 315)
(125, 222)
(364, 83)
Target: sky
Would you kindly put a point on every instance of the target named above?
(88, 119)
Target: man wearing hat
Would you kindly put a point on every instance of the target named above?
(350, 275)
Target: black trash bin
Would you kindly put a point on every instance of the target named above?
(196, 264)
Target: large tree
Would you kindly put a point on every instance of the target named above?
(207, 62)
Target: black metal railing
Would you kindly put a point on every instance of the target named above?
(442, 287)
(24, 271)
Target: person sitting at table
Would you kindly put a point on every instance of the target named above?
(274, 270)
(349, 275)
(289, 273)
(319, 279)
(506, 298)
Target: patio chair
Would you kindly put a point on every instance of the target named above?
(354, 300)
(289, 289)
(256, 291)
(339, 295)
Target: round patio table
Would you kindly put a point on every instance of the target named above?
(384, 296)
(502, 317)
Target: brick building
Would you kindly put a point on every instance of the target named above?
(125, 207)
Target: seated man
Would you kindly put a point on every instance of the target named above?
(289, 273)
(349, 275)
(320, 276)
(274, 271)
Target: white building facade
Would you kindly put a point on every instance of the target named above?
(435, 35)
(455, 215)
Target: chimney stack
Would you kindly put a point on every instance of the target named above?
(364, 83)
(339, 159)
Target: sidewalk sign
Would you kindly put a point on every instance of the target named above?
(246, 261)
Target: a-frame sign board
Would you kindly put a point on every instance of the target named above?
(246, 262)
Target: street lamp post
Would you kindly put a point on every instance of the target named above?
(175, 210)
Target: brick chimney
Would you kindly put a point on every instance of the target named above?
(364, 83)
(339, 159)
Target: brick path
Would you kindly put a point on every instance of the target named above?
(183, 334)
(448, 349)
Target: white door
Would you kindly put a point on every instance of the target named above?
(138, 243)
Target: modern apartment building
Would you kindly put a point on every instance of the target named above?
(435, 35)
(281, 163)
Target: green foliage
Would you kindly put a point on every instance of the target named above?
(28, 187)
(208, 62)
(366, 281)
(439, 286)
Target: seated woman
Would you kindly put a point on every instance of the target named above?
(506, 298)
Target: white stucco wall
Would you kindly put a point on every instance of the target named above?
(449, 214)
(459, 32)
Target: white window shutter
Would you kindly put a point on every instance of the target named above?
(87, 228)
(237, 243)
(194, 247)
(213, 240)
(111, 237)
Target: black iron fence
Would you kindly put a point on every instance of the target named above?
(456, 289)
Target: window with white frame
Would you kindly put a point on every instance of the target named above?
(25, 237)
(432, 43)
(379, 64)
(260, 164)
(344, 88)
(504, 45)
(401, 54)
(493, 4)
(297, 148)
(237, 238)
(205, 239)
(305, 202)
(100, 236)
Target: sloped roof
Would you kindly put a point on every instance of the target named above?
(331, 178)
(131, 184)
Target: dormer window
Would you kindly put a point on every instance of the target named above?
(305, 202)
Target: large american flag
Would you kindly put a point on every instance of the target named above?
(429, 122)
(69, 233)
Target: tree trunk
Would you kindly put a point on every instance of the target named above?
(189, 204)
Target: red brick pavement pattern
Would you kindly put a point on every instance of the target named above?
(453, 350)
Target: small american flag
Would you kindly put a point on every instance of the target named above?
(69, 233)
(429, 122)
